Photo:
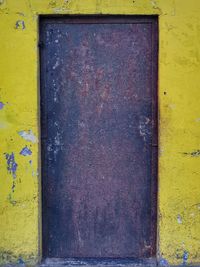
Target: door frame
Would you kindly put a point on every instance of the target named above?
(124, 19)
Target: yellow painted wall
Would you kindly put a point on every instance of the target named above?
(179, 121)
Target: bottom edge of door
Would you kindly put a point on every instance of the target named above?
(90, 262)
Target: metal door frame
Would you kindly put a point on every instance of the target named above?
(113, 19)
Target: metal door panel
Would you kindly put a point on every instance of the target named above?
(98, 110)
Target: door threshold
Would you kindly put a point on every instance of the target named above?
(89, 262)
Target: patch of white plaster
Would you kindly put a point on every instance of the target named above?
(4, 125)
(161, 151)
(35, 173)
(60, 9)
(179, 219)
(172, 106)
(28, 136)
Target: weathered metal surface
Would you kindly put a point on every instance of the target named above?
(98, 127)
(52, 262)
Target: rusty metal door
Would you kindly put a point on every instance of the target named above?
(99, 136)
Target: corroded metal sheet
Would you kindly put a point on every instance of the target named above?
(56, 262)
(98, 88)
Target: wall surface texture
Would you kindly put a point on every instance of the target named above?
(179, 123)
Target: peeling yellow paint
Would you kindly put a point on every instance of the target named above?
(179, 113)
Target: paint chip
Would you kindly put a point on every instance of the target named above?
(179, 219)
(20, 24)
(185, 257)
(193, 153)
(163, 262)
(11, 201)
(25, 151)
(52, 4)
(21, 261)
(28, 136)
(2, 105)
(11, 164)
